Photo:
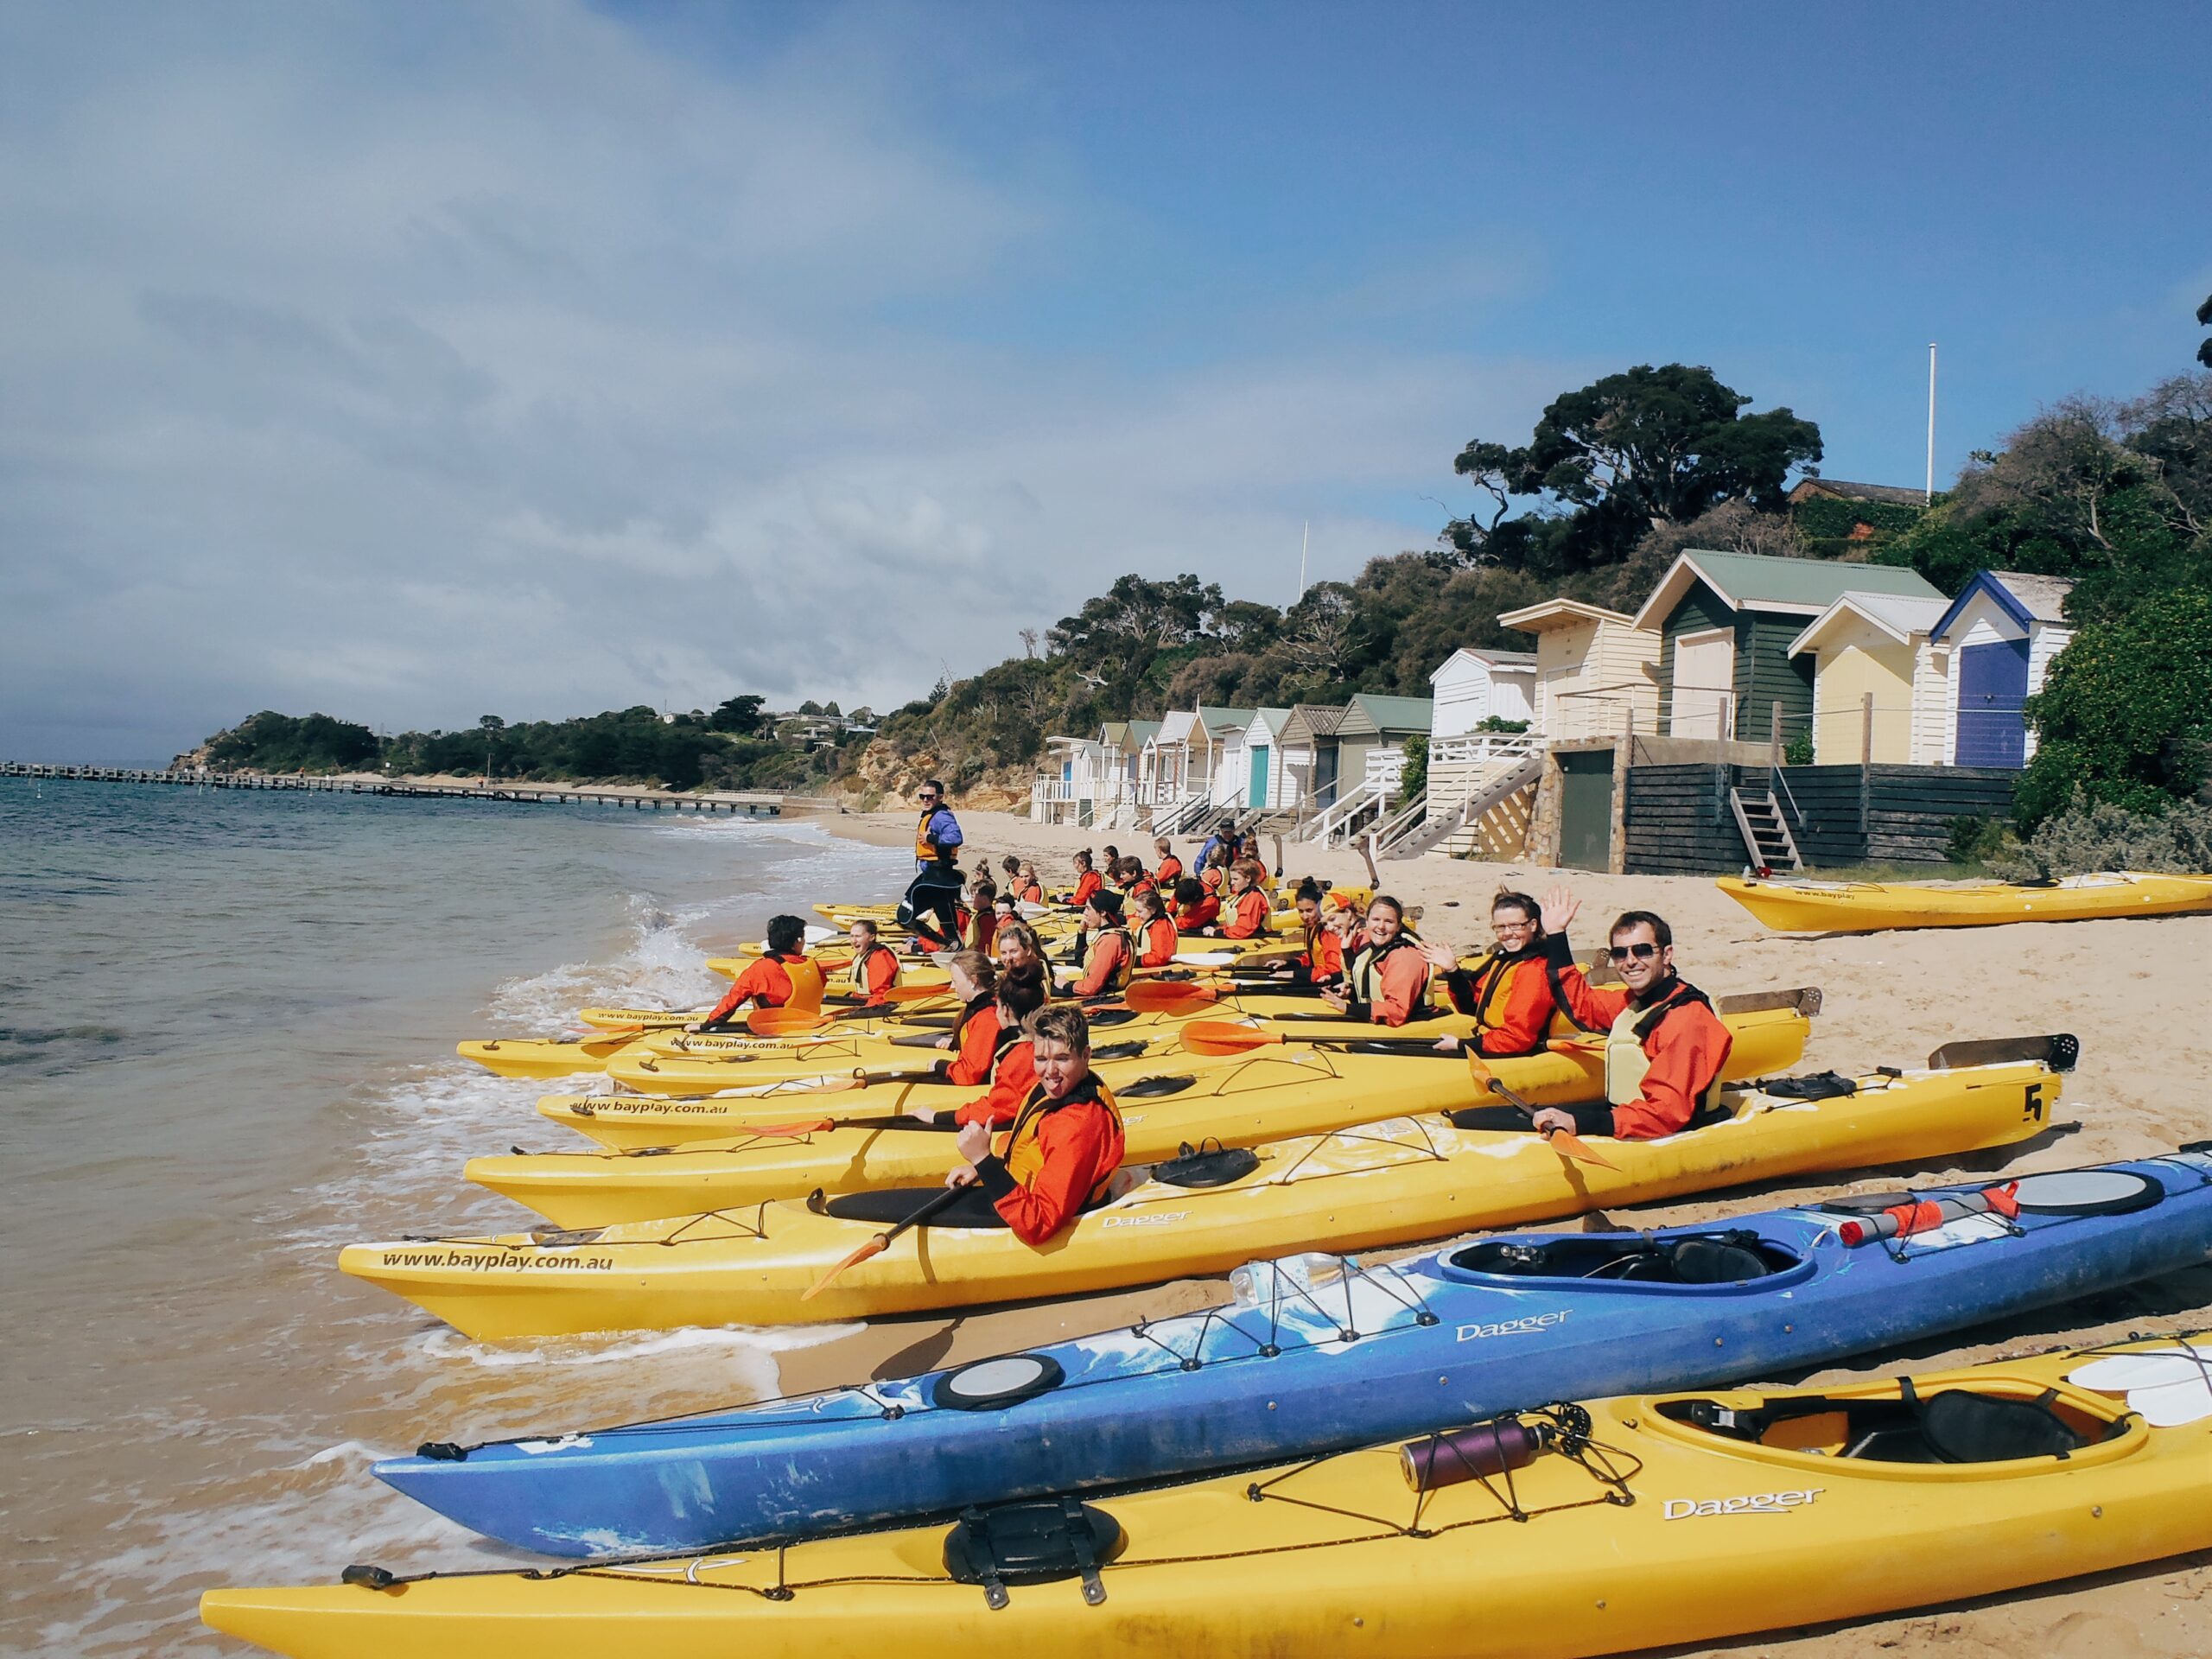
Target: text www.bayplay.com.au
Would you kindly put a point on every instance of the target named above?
(480, 1262)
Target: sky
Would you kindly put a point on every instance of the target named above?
(414, 362)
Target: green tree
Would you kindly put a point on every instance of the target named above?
(740, 714)
(2124, 715)
(1608, 463)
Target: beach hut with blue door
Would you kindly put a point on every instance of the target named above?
(1273, 779)
(2000, 634)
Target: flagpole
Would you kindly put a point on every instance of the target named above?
(1930, 497)
(1303, 536)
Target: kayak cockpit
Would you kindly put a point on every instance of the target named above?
(1702, 1262)
(1993, 1421)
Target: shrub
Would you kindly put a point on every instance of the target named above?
(2090, 836)
(1798, 751)
(1413, 777)
(2125, 713)
(1978, 841)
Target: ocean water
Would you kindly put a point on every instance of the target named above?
(227, 1030)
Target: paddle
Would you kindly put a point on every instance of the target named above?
(1217, 1036)
(882, 1241)
(1160, 997)
(1565, 1142)
(785, 1022)
(823, 1125)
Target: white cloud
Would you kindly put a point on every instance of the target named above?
(413, 363)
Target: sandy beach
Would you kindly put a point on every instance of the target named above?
(2123, 987)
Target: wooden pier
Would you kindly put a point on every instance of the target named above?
(750, 804)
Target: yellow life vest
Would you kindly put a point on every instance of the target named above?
(925, 850)
(1025, 1152)
(808, 982)
(1626, 1062)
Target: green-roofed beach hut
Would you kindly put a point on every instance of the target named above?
(1371, 738)
(1727, 622)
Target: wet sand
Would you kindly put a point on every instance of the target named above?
(2126, 987)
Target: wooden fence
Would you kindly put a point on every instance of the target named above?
(1676, 819)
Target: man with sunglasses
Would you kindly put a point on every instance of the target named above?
(1664, 1045)
(937, 883)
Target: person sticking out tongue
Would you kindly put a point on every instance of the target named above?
(1059, 1158)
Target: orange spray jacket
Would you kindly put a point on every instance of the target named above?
(1684, 1043)
(1058, 1160)
(773, 983)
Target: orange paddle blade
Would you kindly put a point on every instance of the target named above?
(1158, 995)
(1221, 1036)
(1568, 1144)
(781, 1131)
(874, 1246)
(783, 1022)
(914, 993)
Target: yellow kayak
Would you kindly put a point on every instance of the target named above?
(683, 1102)
(1635, 1522)
(1265, 1095)
(637, 1020)
(1397, 1182)
(1801, 906)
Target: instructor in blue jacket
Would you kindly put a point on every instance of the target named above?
(935, 891)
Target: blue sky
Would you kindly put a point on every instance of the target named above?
(414, 363)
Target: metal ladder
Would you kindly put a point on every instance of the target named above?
(1765, 832)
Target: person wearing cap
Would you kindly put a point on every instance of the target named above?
(936, 889)
(1108, 960)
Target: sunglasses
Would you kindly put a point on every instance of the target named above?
(1641, 952)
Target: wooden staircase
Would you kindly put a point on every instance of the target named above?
(1428, 833)
(1765, 832)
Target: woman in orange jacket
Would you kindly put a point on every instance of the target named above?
(1513, 992)
(1388, 979)
(1156, 936)
(874, 968)
(1087, 880)
(975, 1039)
(1244, 916)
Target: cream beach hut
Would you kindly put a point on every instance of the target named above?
(1872, 651)
(1597, 673)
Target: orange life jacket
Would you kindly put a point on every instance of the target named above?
(1025, 1155)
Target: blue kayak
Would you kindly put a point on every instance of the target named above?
(1319, 1354)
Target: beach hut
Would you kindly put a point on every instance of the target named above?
(1163, 766)
(1226, 772)
(2001, 634)
(1312, 729)
(1475, 685)
(1277, 774)
(1726, 622)
(1371, 740)
(1871, 651)
(1597, 673)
